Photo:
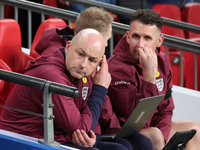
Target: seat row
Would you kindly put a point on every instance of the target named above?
(12, 57)
(188, 14)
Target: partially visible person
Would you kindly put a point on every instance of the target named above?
(78, 8)
(75, 120)
(139, 70)
(100, 20)
(92, 17)
(179, 3)
(50, 42)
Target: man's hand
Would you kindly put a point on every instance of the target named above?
(80, 138)
(102, 76)
(149, 64)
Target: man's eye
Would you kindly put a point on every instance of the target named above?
(80, 54)
(91, 60)
(135, 36)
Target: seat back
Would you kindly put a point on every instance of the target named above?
(52, 3)
(190, 14)
(174, 58)
(49, 23)
(8, 11)
(189, 82)
(11, 55)
(172, 12)
(10, 46)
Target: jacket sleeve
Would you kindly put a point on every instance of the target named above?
(68, 116)
(108, 120)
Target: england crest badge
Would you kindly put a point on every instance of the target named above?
(160, 84)
(85, 92)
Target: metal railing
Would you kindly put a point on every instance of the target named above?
(49, 88)
(129, 12)
(169, 41)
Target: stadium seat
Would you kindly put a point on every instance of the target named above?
(190, 14)
(189, 82)
(49, 23)
(174, 58)
(10, 46)
(8, 11)
(5, 87)
(52, 3)
(11, 52)
(172, 12)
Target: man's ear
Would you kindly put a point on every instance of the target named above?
(160, 40)
(68, 45)
(127, 37)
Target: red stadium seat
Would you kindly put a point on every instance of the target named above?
(52, 3)
(11, 47)
(174, 58)
(53, 22)
(190, 14)
(5, 87)
(11, 52)
(189, 83)
(8, 11)
(172, 12)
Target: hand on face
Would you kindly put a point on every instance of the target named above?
(102, 76)
(80, 138)
(149, 63)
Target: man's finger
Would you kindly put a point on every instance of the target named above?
(141, 52)
(85, 136)
(103, 63)
(92, 134)
(80, 137)
(75, 139)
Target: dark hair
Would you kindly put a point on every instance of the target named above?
(148, 16)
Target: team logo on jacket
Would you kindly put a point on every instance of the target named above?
(85, 92)
(84, 80)
(160, 84)
(157, 73)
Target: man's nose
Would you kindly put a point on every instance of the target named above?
(83, 62)
(140, 43)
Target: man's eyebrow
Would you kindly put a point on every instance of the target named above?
(88, 55)
(134, 33)
(148, 36)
